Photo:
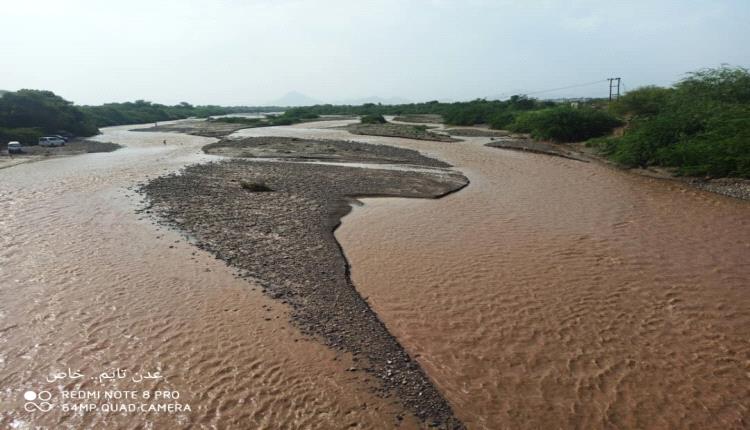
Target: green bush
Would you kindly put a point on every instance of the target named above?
(726, 84)
(502, 120)
(700, 127)
(565, 124)
(43, 110)
(282, 120)
(27, 136)
(141, 111)
(648, 100)
(372, 119)
(479, 111)
(301, 113)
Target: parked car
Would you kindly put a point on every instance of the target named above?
(51, 141)
(14, 148)
(65, 139)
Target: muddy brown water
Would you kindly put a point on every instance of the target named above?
(89, 285)
(548, 294)
(552, 293)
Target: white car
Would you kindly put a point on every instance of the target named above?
(51, 141)
(14, 148)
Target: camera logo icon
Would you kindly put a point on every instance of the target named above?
(37, 401)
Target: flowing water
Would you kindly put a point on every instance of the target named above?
(87, 284)
(549, 293)
(552, 293)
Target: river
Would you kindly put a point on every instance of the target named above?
(552, 293)
(549, 293)
(88, 286)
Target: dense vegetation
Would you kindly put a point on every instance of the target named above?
(564, 123)
(479, 111)
(543, 119)
(26, 115)
(141, 111)
(701, 126)
(373, 119)
(286, 118)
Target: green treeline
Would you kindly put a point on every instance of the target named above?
(141, 111)
(26, 115)
(542, 119)
(478, 111)
(287, 118)
(700, 126)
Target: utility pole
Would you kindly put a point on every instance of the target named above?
(612, 87)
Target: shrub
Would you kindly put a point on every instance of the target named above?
(502, 120)
(565, 124)
(726, 84)
(373, 119)
(282, 120)
(700, 127)
(649, 100)
(27, 136)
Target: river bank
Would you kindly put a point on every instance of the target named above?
(38, 153)
(738, 188)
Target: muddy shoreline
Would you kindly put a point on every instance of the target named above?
(528, 145)
(737, 188)
(38, 153)
(284, 241)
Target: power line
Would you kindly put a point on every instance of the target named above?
(562, 88)
(567, 88)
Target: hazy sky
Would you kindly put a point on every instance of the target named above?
(255, 51)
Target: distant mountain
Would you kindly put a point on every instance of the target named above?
(295, 98)
(2, 92)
